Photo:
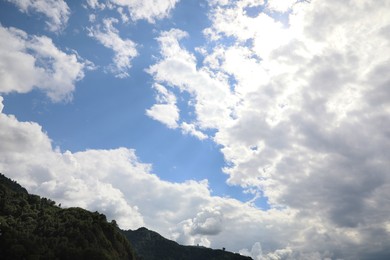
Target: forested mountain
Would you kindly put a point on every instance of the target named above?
(150, 245)
(35, 228)
(32, 227)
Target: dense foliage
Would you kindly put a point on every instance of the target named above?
(150, 245)
(35, 228)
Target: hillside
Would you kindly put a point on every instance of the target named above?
(150, 245)
(32, 227)
(35, 228)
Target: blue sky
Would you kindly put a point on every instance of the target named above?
(258, 126)
(107, 112)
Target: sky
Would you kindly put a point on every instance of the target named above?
(261, 126)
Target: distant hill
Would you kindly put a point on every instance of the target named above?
(35, 228)
(32, 227)
(150, 245)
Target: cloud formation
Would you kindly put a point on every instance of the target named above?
(302, 111)
(114, 181)
(207, 222)
(57, 11)
(28, 62)
(209, 90)
(125, 49)
(150, 10)
(280, 5)
(166, 110)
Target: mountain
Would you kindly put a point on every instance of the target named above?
(35, 228)
(32, 227)
(150, 245)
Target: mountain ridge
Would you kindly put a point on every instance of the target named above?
(152, 246)
(32, 227)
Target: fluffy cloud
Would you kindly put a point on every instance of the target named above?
(208, 222)
(302, 115)
(28, 62)
(56, 10)
(94, 4)
(256, 251)
(281, 5)
(149, 10)
(114, 182)
(27, 156)
(195, 231)
(190, 129)
(124, 49)
(166, 110)
(211, 92)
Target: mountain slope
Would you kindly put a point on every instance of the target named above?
(35, 228)
(32, 227)
(149, 245)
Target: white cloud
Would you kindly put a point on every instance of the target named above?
(280, 5)
(286, 253)
(178, 69)
(190, 129)
(125, 49)
(210, 90)
(301, 114)
(256, 252)
(150, 10)
(94, 4)
(28, 62)
(265, 33)
(1, 104)
(167, 114)
(92, 18)
(166, 110)
(123, 15)
(182, 234)
(303, 121)
(114, 182)
(56, 10)
(207, 222)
